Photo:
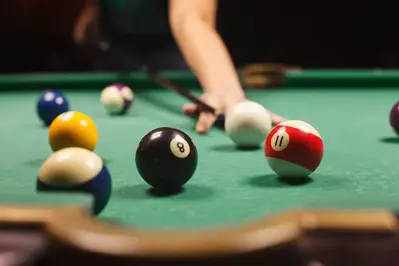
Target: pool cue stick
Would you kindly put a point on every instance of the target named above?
(96, 41)
(103, 46)
(204, 107)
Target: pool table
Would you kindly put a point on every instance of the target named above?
(235, 210)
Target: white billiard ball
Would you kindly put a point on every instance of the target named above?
(247, 124)
(117, 99)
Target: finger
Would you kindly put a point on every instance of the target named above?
(189, 108)
(276, 119)
(205, 122)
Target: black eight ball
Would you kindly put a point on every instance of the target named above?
(166, 158)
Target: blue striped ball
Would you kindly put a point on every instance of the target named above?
(76, 170)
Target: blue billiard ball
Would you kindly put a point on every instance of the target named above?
(51, 104)
(76, 170)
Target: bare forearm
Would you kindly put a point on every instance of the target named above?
(90, 10)
(208, 57)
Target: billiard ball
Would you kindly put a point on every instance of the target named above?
(73, 129)
(51, 104)
(394, 117)
(117, 99)
(76, 170)
(166, 158)
(247, 124)
(294, 149)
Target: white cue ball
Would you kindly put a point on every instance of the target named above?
(247, 124)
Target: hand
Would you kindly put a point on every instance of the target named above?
(276, 119)
(206, 119)
(221, 105)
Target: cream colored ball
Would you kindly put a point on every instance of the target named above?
(247, 124)
(116, 99)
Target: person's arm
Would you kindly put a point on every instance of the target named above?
(193, 26)
(88, 15)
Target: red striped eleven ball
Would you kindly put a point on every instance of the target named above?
(294, 149)
(117, 99)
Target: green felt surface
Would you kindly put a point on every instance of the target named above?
(230, 186)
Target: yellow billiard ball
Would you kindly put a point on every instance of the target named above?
(73, 129)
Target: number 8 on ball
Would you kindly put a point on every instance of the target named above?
(179, 147)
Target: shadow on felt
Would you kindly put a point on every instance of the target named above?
(106, 160)
(275, 181)
(142, 191)
(391, 140)
(233, 148)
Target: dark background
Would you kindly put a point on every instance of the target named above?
(35, 35)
